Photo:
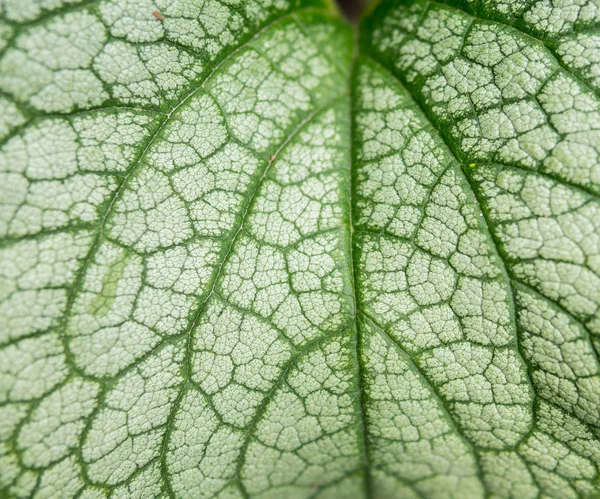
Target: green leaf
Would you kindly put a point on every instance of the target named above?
(247, 252)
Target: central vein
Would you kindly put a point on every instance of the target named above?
(363, 436)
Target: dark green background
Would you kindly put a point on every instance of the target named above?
(352, 8)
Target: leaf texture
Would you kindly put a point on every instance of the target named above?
(248, 253)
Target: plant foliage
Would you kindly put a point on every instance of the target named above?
(250, 251)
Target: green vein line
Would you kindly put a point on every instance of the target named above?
(363, 423)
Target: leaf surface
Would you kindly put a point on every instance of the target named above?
(247, 254)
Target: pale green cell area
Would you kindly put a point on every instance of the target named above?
(103, 301)
(463, 72)
(300, 196)
(343, 489)
(230, 492)
(551, 233)
(206, 135)
(420, 38)
(282, 286)
(128, 431)
(28, 10)
(49, 66)
(146, 75)
(581, 54)
(108, 291)
(34, 275)
(498, 96)
(564, 27)
(563, 460)
(183, 269)
(63, 478)
(196, 184)
(208, 27)
(576, 436)
(258, 11)
(398, 165)
(544, 18)
(163, 311)
(563, 361)
(202, 451)
(214, 189)
(69, 63)
(12, 415)
(91, 492)
(237, 359)
(117, 317)
(306, 437)
(302, 438)
(132, 20)
(147, 483)
(165, 247)
(50, 262)
(31, 368)
(18, 485)
(56, 424)
(390, 487)
(149, 215)
(153, 212)
(209, 171)
(277, 78)
(274, 296)
(410, 435)
(55, 173)
(574, 112)
(507, 474)
(110, 140)
(297, 283)
(11, 117)
(256, 279)
(559, 471)
(574, 286)
(439, 288)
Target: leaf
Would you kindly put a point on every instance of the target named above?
(244, 255)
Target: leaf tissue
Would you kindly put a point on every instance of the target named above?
(248, 250)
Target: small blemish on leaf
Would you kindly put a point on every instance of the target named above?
(272, 158)
(158, 15)
(472, 165)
